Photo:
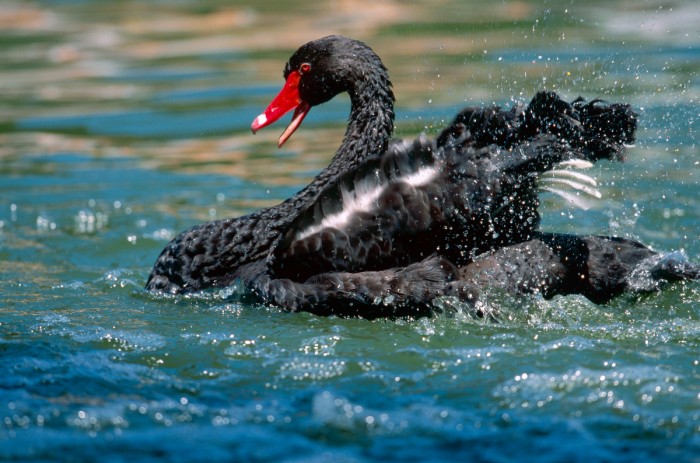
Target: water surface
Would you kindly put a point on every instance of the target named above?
(123, 123)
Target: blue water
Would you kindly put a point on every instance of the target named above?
(93, 368)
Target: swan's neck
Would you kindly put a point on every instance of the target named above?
(371, 122)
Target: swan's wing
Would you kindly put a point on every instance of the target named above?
(368, 218)
(596, 129)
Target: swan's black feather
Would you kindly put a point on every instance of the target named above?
(443, 215)
(598, 267)
(481, 197)
(394, 292)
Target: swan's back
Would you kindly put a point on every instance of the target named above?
(471, 190)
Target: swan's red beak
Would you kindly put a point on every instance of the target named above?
(287, 99)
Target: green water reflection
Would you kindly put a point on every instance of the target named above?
(125, 122)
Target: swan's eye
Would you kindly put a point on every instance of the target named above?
(304, 68)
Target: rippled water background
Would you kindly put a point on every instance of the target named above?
(123, 123)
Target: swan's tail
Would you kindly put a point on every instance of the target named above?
(652, 273)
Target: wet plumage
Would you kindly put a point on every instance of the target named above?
(388, 227)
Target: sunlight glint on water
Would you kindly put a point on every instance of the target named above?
(125, 123)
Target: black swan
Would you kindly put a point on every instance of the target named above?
(388, 227)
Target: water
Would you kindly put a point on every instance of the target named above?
(124, 123)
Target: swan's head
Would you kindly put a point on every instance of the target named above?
(315, 73)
